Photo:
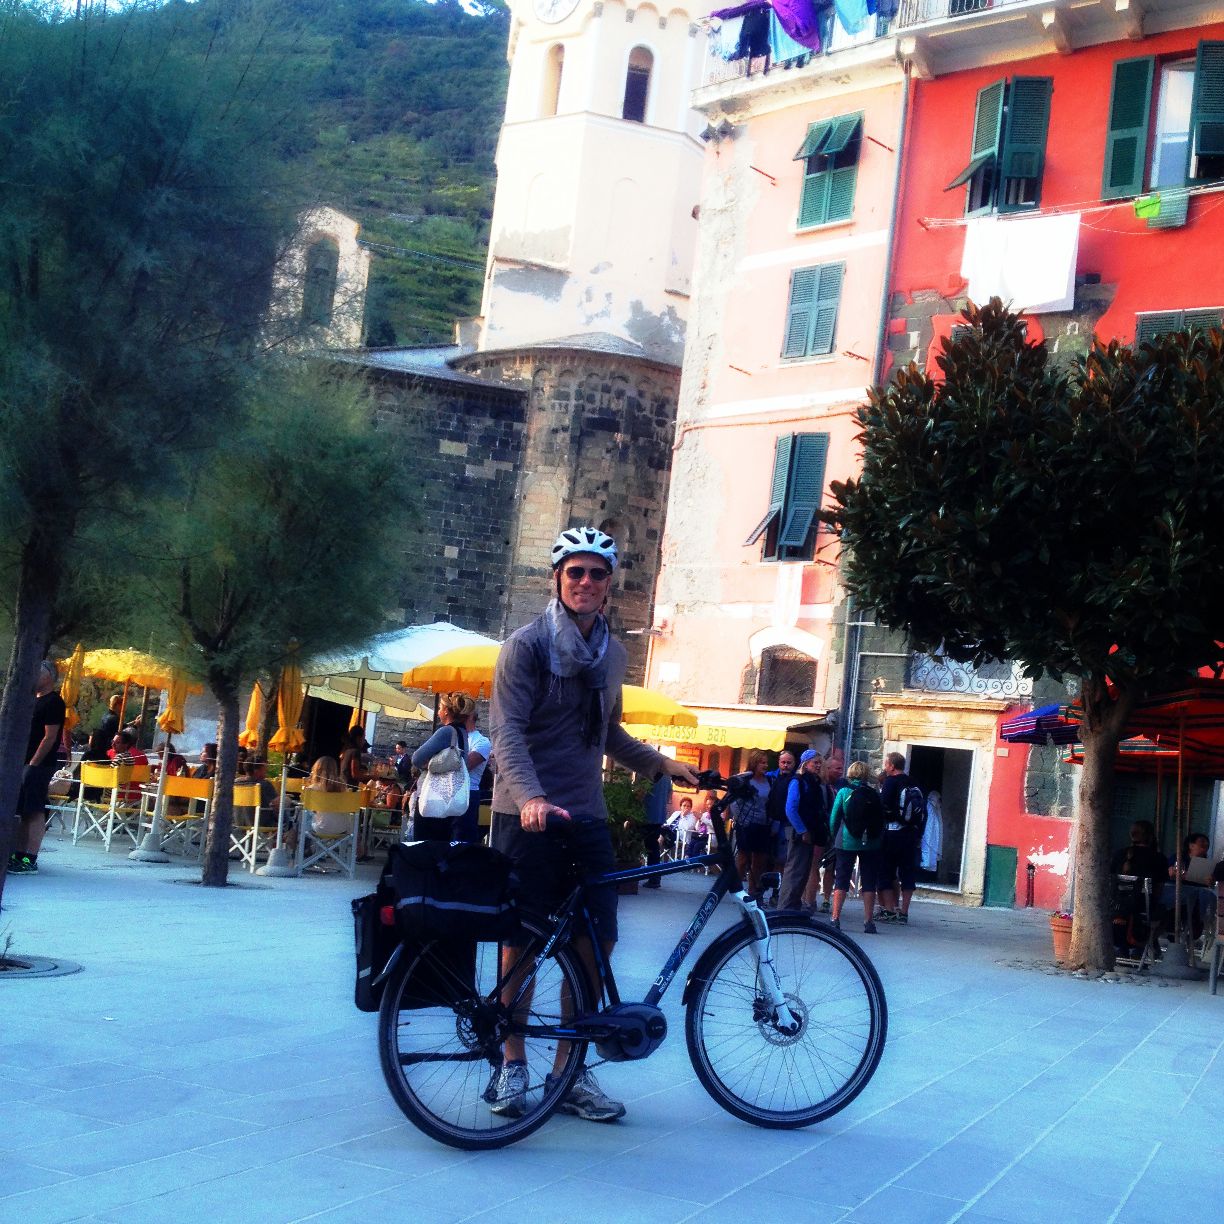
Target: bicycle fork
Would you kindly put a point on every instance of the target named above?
(784, 1019)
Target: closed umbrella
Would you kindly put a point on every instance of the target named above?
(172, 722)
(249, 737)
(70, 689)
(290, 697)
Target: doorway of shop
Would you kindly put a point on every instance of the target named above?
(946, 773)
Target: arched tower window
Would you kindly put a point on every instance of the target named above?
(319, 291)
(554, 63)
(637, 85)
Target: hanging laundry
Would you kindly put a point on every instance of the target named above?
(783, 49)
(1029, 262)
(754, 29)
(725, 39)
(932, 833)
(852, 14)
(799, 18)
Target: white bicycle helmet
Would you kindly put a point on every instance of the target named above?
(584, 540)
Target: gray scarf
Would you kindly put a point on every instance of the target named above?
(571, 656)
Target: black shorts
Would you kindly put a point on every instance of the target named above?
(869, 869)
(543, 864)
(754, 839)
(901, 850)
(32, 798)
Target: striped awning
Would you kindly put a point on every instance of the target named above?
(1047, 724)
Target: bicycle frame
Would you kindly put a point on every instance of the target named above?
(728, 881)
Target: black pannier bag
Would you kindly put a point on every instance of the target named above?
(376, 939)
(454, 891)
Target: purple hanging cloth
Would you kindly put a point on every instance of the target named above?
(797, 17)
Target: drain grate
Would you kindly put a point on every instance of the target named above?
(17, 967)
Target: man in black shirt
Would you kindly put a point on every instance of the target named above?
(44, 755)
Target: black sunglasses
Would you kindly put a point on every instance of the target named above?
(576, 573)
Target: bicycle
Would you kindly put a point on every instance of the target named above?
(785, 1024)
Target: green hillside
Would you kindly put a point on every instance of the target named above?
(405, 98)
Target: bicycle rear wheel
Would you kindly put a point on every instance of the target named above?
(440, 1028)
(768, 1077)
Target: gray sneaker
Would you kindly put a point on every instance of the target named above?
(589, 1101)
(510, 1096)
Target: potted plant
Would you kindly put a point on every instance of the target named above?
(1060, 929)
(624, 800)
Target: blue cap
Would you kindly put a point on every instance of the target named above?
(810, 755)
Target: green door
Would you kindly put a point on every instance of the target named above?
(1001, 863)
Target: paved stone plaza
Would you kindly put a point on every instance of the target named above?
(207, 1064)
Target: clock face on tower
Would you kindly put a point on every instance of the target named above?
(553, 11)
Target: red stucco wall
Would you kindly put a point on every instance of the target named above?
(1152, 269)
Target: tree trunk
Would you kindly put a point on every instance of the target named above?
(1104, 724)
(37, 582)
(221, 815)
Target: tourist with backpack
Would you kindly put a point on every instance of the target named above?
(857, 827)
(904, 820)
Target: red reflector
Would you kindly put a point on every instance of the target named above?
(386, 915)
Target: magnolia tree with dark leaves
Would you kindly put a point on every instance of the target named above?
(1066, 515)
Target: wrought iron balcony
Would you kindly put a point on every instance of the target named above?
(938, 674)
(920, 12)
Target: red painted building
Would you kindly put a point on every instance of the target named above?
(1068, 157)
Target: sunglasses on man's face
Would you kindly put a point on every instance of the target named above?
(576, 573)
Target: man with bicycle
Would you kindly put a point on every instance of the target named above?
(555, 714)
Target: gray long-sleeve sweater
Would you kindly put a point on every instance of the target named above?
(537, 729)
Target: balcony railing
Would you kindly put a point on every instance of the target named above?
(919, 12)
(937, 674)
(834, 38)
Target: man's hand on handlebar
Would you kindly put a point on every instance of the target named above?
(685, 773)
(536, 813)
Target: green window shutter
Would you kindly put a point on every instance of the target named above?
(804, 282)
(845, 129)
(1028, 121)
(1203, 320)
(777, 487)
(1207, 112)
(1160, 323)
(814, 203)
(806, 487)
(817, 134)
(987, 124)
(988, 119)
(824, 314)
(841, 193)
(1130, 104)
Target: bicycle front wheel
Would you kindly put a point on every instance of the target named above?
(440, 1032)
(766, 1076)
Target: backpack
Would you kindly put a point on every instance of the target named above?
(863, 813)
(913, 808)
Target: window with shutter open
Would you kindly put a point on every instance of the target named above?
(811, 313)
(830, 151)
(1206, 153)
(1007, 156)
(789, 526)
(1130, 103)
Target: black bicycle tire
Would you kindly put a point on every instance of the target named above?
(428, 1121)
(865, 1066)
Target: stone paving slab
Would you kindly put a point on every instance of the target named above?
(208, 1064)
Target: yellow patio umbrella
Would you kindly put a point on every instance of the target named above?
(254, 719)
(131, 667)
(643, 705)
(469, 669)
(171, 720)
(70, 688)
(465, 669)
(290, 697)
